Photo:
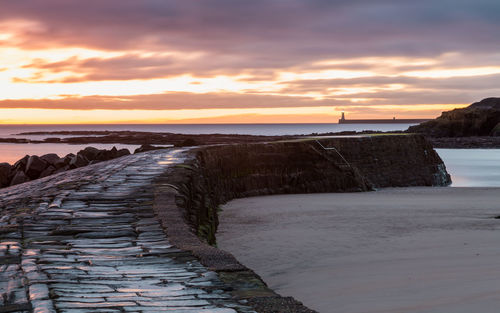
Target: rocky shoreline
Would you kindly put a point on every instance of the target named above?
(139, 138)
(476, 126)
(32, 167)
(183, 140)
(484, 142)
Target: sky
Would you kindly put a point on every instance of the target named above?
(240, 61)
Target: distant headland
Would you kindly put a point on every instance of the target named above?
(343, 120)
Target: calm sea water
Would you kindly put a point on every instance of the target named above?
(468, 167)
(245, 129)
(472, 167)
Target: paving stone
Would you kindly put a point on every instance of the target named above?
(107, 234)
(43, 306)
(94, 310)
(93, 243)
(81, 299)
(72, 305)
(174, 303)
(39, 292)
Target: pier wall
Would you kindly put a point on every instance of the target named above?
(187, 196)
(214, 175)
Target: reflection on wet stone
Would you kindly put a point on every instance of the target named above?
(87, 241)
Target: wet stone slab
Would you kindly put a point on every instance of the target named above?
(87, 240)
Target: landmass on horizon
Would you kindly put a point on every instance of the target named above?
(343, 120)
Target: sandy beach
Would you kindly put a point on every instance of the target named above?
(394, 250)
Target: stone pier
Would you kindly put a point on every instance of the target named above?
(87, 240)
(132, 234)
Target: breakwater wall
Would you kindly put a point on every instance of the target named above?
(216, 174)
(187, 197)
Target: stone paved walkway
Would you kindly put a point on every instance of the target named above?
(87, 241)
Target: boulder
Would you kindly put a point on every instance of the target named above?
(19, 178)
(35, 166)
(113, 152)
(21, 164)
(90, 153)
(61, 169)
(63, 162)
(5, 169)
(104, 155)
(122, 152)
(48, 171)
(50, 158)
(146, 147)
(78, 161)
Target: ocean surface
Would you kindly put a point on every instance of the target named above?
(468, 167)
(472, 167)
(244, 129)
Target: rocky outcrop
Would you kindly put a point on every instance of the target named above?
(34, 167)
(141, 138)
(146, 147)
(479, 119)
(5, 169)
(217, 174)
(472, 142)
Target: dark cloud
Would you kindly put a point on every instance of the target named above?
(277, 33)
(260, 38)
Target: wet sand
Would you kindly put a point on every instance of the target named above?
(395, 250)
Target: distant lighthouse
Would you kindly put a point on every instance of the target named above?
(342, 119)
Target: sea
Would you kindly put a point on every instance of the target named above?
(467, 167)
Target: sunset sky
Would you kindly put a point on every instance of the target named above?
(240, 61)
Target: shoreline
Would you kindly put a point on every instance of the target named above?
(180, 139)
(384, 251)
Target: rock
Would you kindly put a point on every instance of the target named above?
(35, 166)
(50, 158)
(52, 140)
(146, 147)
(496, 130)
(187, 143)
(90, 153)
(78, 161)
(488, 103)
(479, 119)
(48, 171)
(103, 155)
(63, 162)
(61, 169)
(122, 152)
(19, 178)
(21, 164)
(5, 169)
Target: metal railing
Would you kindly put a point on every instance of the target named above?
(334, 149)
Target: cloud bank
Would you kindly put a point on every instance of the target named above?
(248, 54)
